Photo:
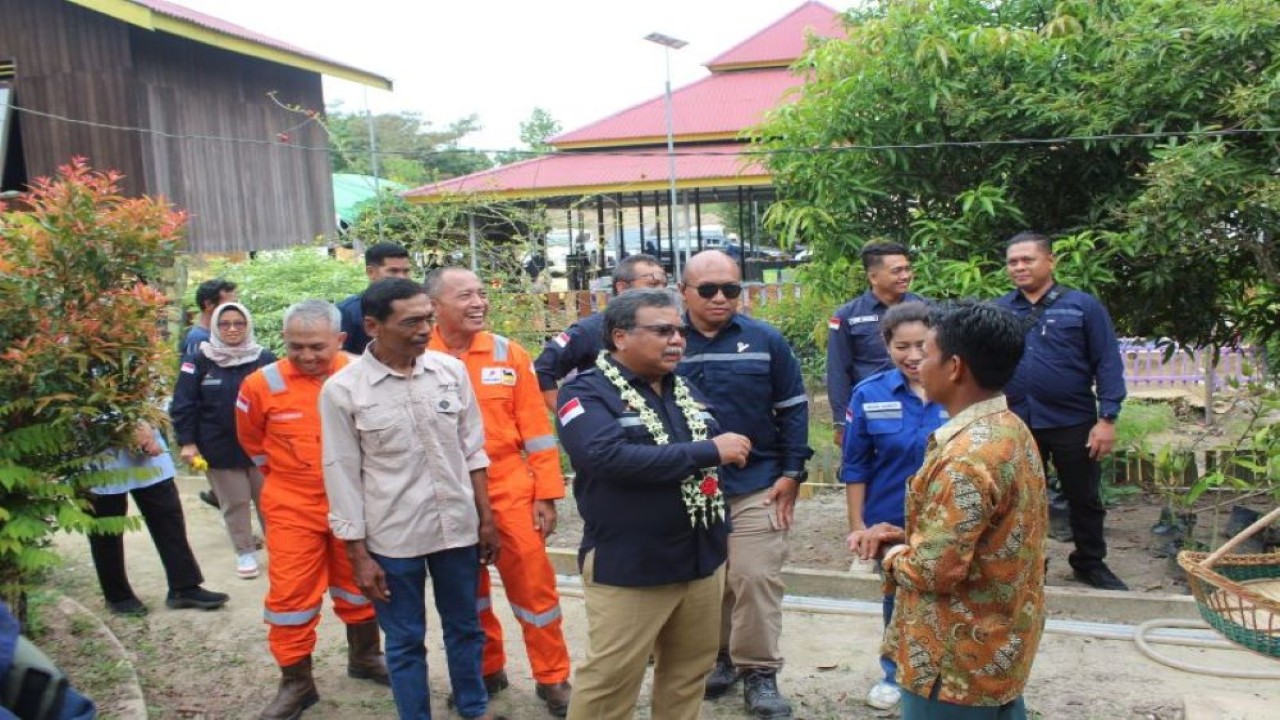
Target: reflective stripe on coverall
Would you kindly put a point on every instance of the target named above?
(278, 425)
(524, 466)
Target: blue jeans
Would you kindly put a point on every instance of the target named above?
(886, 663)
(454, 577)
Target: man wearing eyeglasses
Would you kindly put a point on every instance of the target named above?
(576, 348)
(752, 378)
(855, 350)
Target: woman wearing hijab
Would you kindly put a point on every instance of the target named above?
(203, 413)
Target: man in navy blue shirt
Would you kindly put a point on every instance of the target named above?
(855, 350)
(381, 261)
(577, 347)
(209, 295)
(1071, 349)
(753, 379)
(646, 448)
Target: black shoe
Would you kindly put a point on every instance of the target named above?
(760, 690)
(1099, 576)
(130, 607)
(722, 677)
(210, 498)
(196, 597)
(494, 683)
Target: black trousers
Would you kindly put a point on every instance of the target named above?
(1081, 480)
(162, 512)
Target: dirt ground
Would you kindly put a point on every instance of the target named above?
(197, 665)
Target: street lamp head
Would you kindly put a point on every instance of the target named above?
(665, 40)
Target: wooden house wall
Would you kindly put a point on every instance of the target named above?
(244, 188)
(74, 63)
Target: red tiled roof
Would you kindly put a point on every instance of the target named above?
(783, 42)
(226, 28)
(720, 104)
(571, 173)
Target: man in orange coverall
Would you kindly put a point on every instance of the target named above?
(278, 425)
(524, 481)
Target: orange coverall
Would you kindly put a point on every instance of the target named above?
(278, 425)
(524, 465)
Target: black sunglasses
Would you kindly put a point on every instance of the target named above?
(731, 290)
(665, 330)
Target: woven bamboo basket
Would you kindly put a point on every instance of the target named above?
(1239, 595)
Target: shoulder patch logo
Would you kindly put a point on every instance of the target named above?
(569, 411)
(562, 339)
(189, 368)
(833, 323)
(743, 346)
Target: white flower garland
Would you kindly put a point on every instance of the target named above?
(701, 493)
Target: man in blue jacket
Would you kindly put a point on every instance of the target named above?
(855, 350)
(752, 378)
(1071, 349)
(646, 449)
(576, 348)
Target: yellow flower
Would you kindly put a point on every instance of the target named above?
(199, 464)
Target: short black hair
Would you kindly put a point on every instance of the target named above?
(1031, 236)
(375, 301)
(625, 271)
(620, 313)
(874, 253)
(988, 338)
(900, 314)
(378, 253)
(209, 293)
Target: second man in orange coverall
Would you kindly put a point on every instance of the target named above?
(524, 481)
(278, 425)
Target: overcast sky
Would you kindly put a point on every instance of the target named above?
(579, 59)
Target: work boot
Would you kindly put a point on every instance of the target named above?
(722, 677)
(556, 696)
(760, 689)
(297, 692)
(364, 654)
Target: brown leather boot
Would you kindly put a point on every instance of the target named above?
(556, 696)
(364, 653)
(297, 692)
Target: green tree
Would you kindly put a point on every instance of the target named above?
(951, 124)
(410, 150)
(534, 133)
(81, 360)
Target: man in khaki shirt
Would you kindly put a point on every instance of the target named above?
(405, 472)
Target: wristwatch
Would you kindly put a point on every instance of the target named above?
(797, 475)
(1109, 417)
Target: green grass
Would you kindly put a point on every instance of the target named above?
(1143, 420)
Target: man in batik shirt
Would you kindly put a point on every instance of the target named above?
(969, 567)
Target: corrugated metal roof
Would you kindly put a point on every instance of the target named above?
(783, 42)
(720, 105)
(153, 14)
(571, 173)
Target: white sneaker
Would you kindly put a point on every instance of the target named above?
(247, 566)
(884, 695)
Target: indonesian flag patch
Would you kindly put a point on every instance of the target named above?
(188, 368)
(848, 414)
(562, 339)
(833, 323)
(569, 411)
(242, 403)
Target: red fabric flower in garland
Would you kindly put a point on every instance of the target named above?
(710, 485)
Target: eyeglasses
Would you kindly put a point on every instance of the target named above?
(233, 325)
(709, 290)
(665, 330)
(659, 279)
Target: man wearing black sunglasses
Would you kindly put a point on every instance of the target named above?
(577, 347)
(752, 378)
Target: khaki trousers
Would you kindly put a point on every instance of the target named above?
(625, 624)
(236, 488)
(751, 618)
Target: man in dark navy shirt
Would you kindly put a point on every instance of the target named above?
(381, 261)
(646, 452)
(855, 350)
(577, 347)
(748, 371)
(1071, 349)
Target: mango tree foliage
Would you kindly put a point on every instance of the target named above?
(1142, 132)
(81, 361)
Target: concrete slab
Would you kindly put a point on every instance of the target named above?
(1229, 707)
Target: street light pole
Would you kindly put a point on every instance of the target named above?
(669, 43)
